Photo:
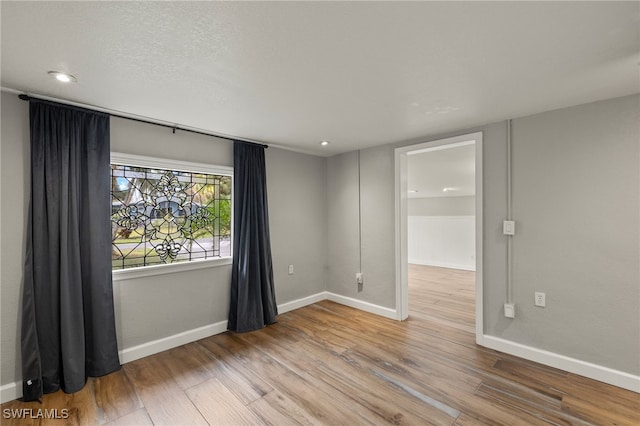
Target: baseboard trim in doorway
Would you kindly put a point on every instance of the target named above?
(471, 267)
(565, 363)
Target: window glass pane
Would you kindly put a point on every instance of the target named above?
(165, 216)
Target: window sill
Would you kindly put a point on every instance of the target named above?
(149, 271)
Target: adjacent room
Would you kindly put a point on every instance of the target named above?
(320, 213)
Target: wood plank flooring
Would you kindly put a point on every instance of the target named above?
(327, 364)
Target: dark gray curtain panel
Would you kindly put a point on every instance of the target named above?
(68, 325)
(253, 302)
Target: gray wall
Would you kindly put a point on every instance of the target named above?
(151, 308)
(377, 222)
(576, 203)
(14, 181)
(576, 183)
(442, 206)
(377, 202)
(297, 198)
(342, 210)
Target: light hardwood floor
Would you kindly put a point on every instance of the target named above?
(329, 364)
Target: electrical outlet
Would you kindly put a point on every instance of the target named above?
(359, 279)
(509, 310)
(540, 299)
(290, 269)
(508, 227)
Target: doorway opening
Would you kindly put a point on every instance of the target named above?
(439, 194)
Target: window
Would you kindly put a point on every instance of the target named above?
(166, 211)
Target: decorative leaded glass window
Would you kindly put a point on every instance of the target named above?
(162, 215)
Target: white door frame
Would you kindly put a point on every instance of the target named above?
(401, 197)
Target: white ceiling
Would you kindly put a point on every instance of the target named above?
(293, 74)
(430, 172)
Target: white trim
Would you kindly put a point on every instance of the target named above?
(13, 391)
(169, 342)
(362, 305)
(401, 219)
(479, 238)
(301, 303)
(166, 164)
(401, 208)
(10, 391)
(440, 147)
(565, 363)
(151, 270)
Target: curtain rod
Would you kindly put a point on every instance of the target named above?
(26, 97)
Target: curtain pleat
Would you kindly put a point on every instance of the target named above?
(68, 323)
(253, 303)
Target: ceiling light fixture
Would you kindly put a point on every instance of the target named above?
(63, 77)
(448, 189)
(324, 143)
(413, 191)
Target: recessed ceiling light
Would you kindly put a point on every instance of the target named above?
(448, 189)
(63, 77)
(324, 143)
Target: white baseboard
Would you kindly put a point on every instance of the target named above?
(362, 305)
(470, 267)
(571, 365)
(10, 391)
(300, 303)
(170, 342)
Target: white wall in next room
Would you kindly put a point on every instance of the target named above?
(442, 232)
